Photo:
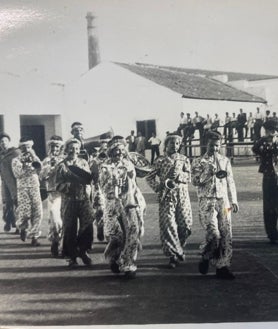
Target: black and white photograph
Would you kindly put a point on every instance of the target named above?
(138, 164)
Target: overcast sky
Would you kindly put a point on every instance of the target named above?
(50, 37)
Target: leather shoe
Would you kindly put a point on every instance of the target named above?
(204, 266)
(23, 235)
(55, 249)
(73, 263)
(85, 258)
(7, 227)
(114, 267)
(173, 262)
(35, 242)
(130, 274)
(224, 273)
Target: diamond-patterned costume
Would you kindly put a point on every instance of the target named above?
(29, 209)
(214, 207)
(124, 208)
(175, 215)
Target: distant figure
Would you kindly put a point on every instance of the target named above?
(155, 142)
(182, 124)
(267, 148)
(8, 181)
(259, 119)
(189, 129)
(227, 128)
(241, 120)
(197, 123)
(250, 126)
(267, 115)
(274, 117)
(233, 126)
(207, 128)
(131, 142)
(140, 143)
(215, 122)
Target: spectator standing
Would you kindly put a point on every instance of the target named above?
(155, 142)
(227, 128)
(131, 142)
(214, 207)
(26, 167)
(189, 129)
(233, 126)
(140, 143)
(267, 148)
(182, 124)
(259, 119)
(274, 117)
(8, 181)
(207, 127)
(241, 121)
(267, 115)
(250, 126)
(215, 122)
(197, 124)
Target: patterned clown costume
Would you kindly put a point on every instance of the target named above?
(215, 208)
(175, 214)
(29, 209)
(48, 176)
(124, 207)
(8, 187)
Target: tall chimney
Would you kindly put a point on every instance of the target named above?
(93, 49)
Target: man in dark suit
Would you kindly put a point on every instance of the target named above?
(241, 120)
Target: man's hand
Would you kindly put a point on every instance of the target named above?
(235, 207)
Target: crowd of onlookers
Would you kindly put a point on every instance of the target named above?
(239, 126)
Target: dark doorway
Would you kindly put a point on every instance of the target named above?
(146, 127)
(37, 134)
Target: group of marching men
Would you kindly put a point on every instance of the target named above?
(82, 190)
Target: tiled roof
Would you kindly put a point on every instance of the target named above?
(191, 84)
(232, 76)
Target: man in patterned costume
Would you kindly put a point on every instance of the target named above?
(267, 148)
(77, 209)
(48, 178)
(175, 215)
(124, 208)
(95, 164)
(26, 169)
(212, 174)
(8, 181)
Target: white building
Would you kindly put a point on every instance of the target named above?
(120, 96)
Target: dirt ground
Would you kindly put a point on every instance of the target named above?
(37, 290)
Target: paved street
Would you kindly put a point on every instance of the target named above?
(38, 290)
